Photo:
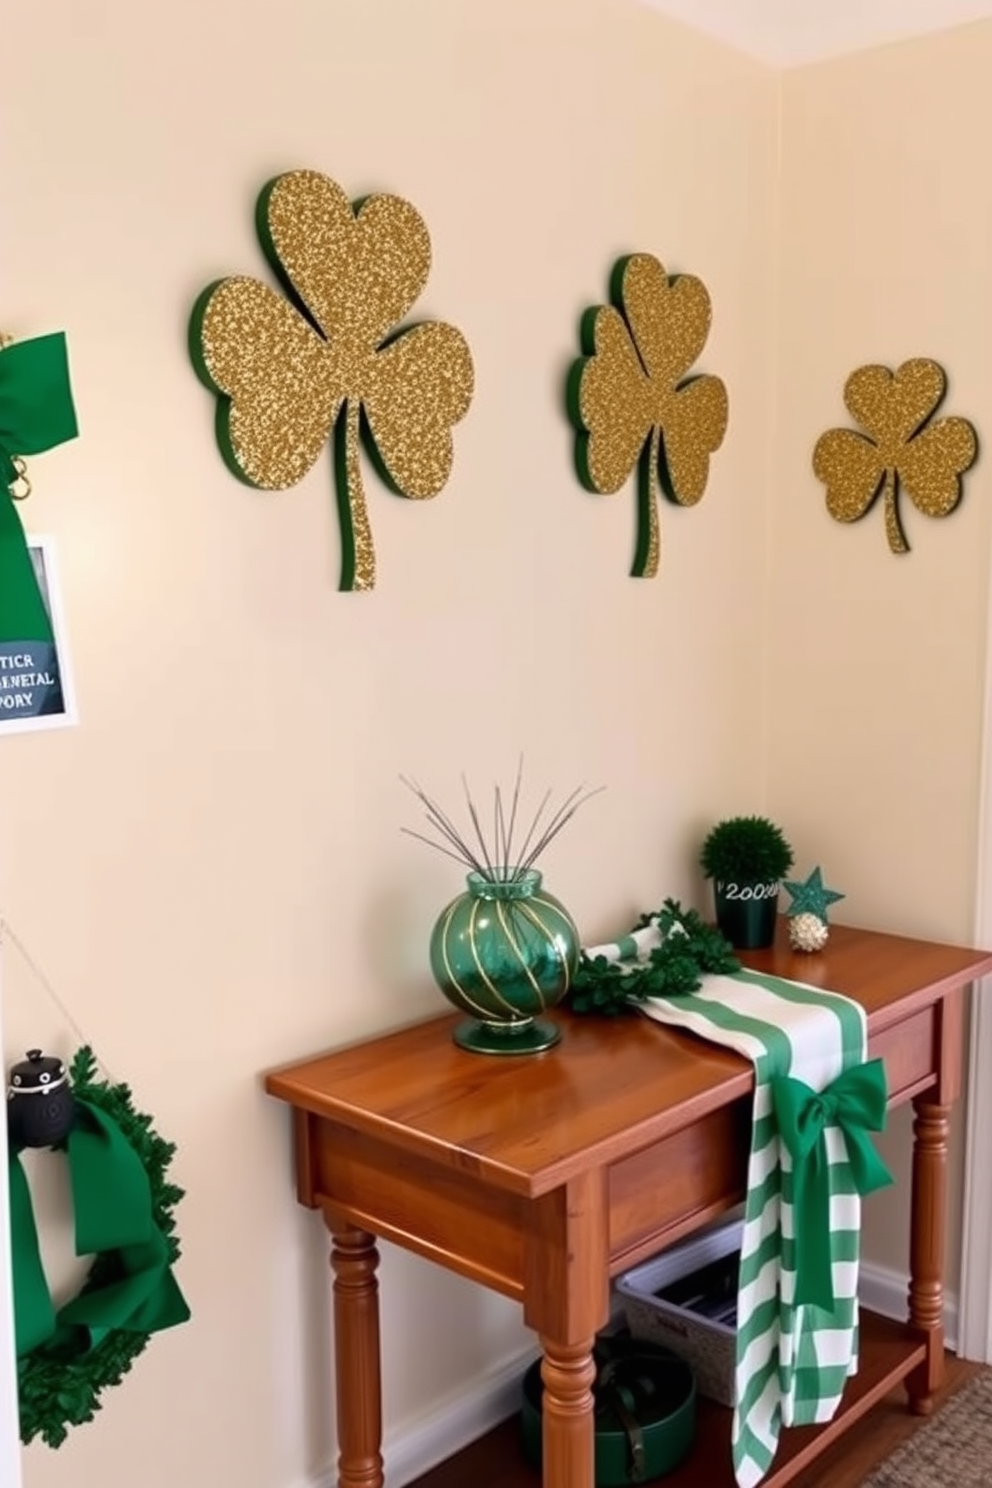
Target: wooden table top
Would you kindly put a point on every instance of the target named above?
(612, 1085)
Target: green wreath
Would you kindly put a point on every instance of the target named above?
(123, 1205)
(689, 950)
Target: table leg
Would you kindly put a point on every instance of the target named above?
(354, 1259)
(926, 1247)
(566, 1302)
(567, 1371)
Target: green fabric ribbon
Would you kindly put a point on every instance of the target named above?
(114, 1220)
(36, 413)
(36, 409)
(856, 1103)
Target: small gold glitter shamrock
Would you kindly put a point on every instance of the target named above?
(632, 403)
(328, 356)
(900, 448)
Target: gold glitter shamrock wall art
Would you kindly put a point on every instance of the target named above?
(329, 358)
(903, 447)
(633, 401)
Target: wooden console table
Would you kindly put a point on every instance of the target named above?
(544, 1176)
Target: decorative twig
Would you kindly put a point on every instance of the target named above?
(513, 808)
(561, 817)
(440, 822)
(478, 829)
(457, 857)
(533, 826)
(494, 860)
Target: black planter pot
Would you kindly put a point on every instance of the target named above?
(745, 913)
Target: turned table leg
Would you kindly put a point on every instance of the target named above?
(567, 1371)
(926, 1247)
(566, 1301)
(354, 1259)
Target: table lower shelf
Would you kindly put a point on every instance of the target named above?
(889, 1352)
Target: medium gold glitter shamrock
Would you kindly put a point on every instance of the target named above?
(328, 357)
(901, 448)
(632, 403)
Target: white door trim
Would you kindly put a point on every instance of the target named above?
(975, 1331)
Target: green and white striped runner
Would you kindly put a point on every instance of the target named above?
(792, 1361)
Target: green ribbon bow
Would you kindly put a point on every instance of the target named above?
(114, 1221)
(856, 1103)
(36, 413)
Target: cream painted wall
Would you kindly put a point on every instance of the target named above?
(210, 869)
(876, 712)
(10, 1455)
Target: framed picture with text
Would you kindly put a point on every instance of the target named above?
(36, 685)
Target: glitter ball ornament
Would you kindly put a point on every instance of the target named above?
(807, 932)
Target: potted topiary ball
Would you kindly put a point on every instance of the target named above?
(746, 857)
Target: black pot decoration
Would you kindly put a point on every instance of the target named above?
(40, 1106)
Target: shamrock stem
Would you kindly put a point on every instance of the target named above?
(357, 550)
(893, 526)
(648, 550)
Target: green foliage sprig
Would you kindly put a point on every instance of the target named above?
(745, 850)
(689, 949)
(57, 1388)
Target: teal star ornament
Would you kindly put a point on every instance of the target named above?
(811, 897)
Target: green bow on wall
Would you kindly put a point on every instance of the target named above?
(36, 413)
(856, 1103)
(114, 1220)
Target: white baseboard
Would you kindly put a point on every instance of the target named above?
(886, 1291)
(415, 1447)
(883, 1290)
(461, 1419)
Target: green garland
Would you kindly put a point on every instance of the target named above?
(672, 969)
(62, 1388)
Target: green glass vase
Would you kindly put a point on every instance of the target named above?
(505, 951)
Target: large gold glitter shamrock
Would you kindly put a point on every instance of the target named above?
(632, 403)
(900, 448)
(328, 357)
